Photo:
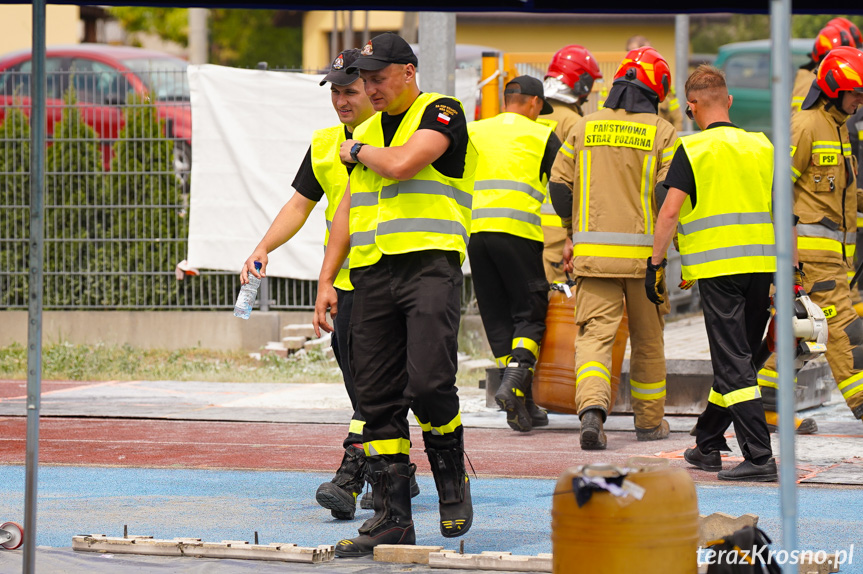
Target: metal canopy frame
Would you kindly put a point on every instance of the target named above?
(780, 22)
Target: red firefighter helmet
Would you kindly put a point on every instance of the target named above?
(841, 70)
(646, 68)
(576, 67)
(828, 38)
(850, 28)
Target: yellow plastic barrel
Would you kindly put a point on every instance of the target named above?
(554, 380)
(657, 534)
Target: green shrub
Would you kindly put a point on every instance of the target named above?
(73, 221)
(148, 227)
(15, 201)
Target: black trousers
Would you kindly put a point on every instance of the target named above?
(403, 343)
(736, 311)
(341, 328)
(511, 291)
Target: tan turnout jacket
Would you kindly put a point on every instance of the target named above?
(617, 159)
(826, 198)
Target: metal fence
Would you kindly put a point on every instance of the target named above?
(116, 195)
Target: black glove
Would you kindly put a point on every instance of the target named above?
(654, 281)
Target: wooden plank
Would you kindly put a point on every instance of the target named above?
(194, 547)
(500, 561)
(719, 525)
(404, 553)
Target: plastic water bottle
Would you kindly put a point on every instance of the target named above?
(247, 296)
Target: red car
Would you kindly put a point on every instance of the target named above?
(103, 77)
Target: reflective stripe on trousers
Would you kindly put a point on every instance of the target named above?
(734, 397)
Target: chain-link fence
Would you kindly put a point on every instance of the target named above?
(116, 194)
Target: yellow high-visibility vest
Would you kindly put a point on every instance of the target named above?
(508, 192)
(333, 179)
(730, 230)
(429, 211)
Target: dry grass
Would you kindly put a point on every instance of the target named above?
(105, 362)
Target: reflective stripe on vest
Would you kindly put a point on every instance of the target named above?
(508, 192)
(728, 233)
(429, 211)
(548, 215)
(333, 179)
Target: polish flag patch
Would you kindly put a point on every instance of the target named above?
(443, 118)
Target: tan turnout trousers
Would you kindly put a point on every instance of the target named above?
(598, 312)
(827, 285)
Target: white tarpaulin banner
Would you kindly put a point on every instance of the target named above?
(250, 131)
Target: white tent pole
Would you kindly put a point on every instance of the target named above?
(37, 245)
(780, 33)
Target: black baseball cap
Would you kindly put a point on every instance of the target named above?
(383, 50)
(338, 74)
(529, 86)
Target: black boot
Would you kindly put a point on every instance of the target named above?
(711, 461)
(592, 436)
(340, 494)
(750, 472)
(512, 397)
(367, 502)
(392, 522)
(538, 416)
(453, 487)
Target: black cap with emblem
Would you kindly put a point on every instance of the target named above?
(338, 74)
(383, 50)
(529, 86)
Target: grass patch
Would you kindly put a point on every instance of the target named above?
(101, 362)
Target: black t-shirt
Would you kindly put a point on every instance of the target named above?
(680, 174)
(444, 115)
(305, 181)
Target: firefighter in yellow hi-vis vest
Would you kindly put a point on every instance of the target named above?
(505, 249)
(620, 154)
(568, 82)
(405, 223)
(719, 204)
(826, 199)
(323, 174)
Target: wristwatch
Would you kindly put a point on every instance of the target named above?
(355, 149)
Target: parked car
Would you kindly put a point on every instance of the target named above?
(748, 71)
(103, 76)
